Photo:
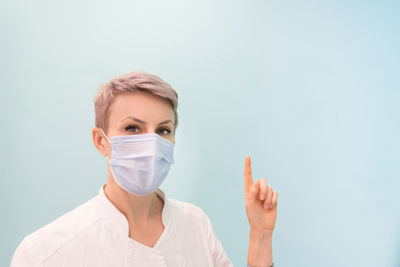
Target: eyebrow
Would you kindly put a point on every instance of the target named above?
(143, 122)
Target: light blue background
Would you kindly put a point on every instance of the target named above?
(310, 89)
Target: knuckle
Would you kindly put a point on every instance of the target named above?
(253, 189)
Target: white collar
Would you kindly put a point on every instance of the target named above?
(119, 221)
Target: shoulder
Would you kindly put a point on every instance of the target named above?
(189, 216)
(186, 209)
(193, 223)
(40, 244)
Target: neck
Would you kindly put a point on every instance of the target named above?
(137, 210)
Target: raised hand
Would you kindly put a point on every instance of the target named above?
(260, 202)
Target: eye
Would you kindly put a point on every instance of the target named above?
(132, 129)
(163, 131)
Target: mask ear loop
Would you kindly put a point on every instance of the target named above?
(108, 160)
(105, 136)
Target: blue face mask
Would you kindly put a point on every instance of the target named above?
(140, 163)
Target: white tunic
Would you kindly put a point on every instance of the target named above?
(96, 234)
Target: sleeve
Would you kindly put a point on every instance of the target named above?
(271, 265)
(23, 256)
(219, 255)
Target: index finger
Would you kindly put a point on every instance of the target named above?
(248, 178)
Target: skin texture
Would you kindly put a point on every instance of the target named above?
(144, 213)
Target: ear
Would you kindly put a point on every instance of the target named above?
(100, 142)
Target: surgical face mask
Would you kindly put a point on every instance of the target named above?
(139, 163)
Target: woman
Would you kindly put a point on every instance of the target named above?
(131, 222)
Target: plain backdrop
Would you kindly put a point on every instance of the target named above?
(310, 89)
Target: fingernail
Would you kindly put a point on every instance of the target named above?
(262, 196)
(270, 206)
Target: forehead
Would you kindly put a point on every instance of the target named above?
(144, 106)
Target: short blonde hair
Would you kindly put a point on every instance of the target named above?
(131, 82)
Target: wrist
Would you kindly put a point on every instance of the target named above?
(264, 235)
(260, 248)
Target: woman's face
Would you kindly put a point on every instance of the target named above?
(141, 113)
